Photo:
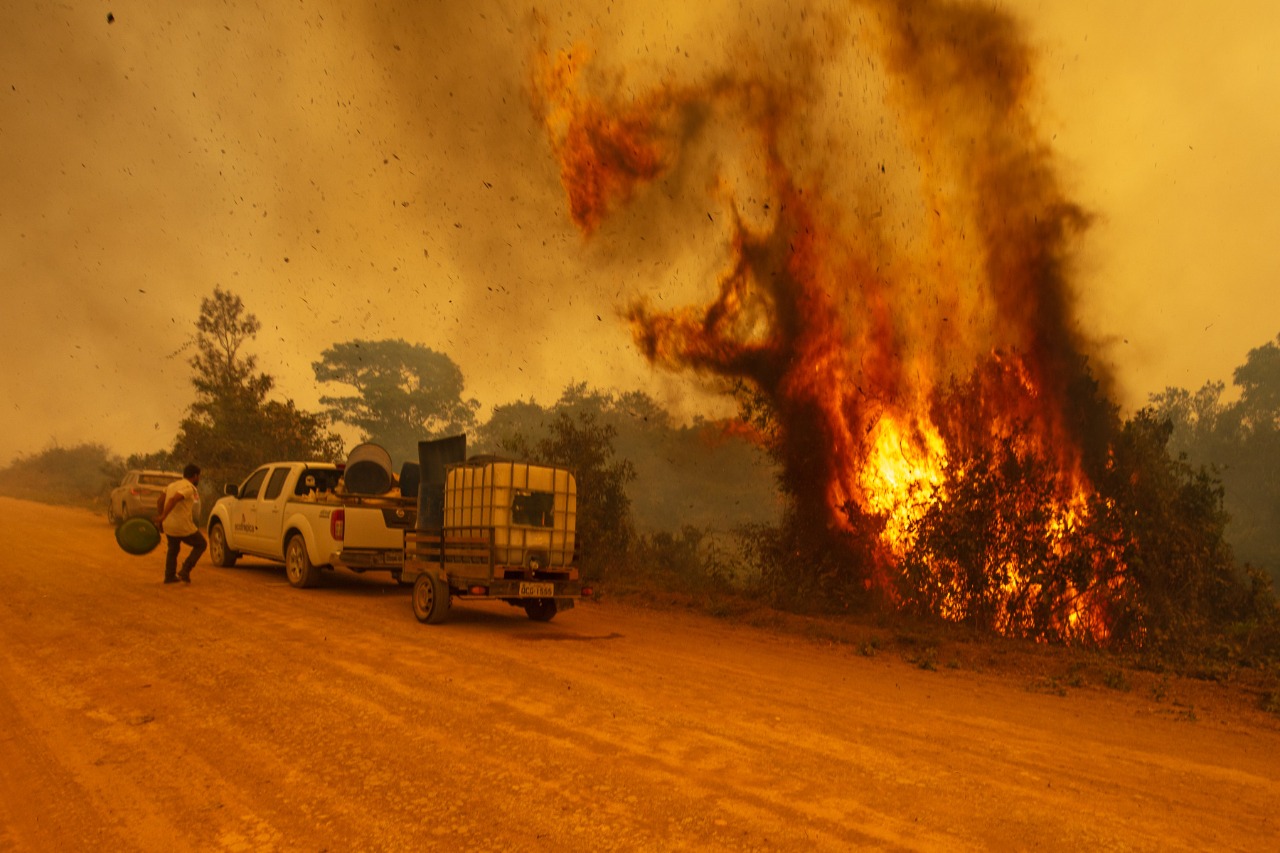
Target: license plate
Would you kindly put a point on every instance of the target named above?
(537, 590)
(393, 558)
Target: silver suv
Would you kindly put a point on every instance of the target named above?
(139, 494)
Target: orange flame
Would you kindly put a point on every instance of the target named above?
(906, 374)
(605, 150)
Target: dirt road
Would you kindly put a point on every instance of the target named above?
(238, 713)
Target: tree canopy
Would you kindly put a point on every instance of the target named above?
(580, 441)
(1237, 436)
(404, 393)
(698, 474)
(232, 426)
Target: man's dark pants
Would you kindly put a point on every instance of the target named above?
(196, 542)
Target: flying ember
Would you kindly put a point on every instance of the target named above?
(896, 289)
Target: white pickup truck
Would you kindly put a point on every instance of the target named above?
(299, 514)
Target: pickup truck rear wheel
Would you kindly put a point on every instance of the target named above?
(430, 599)
(219, 554)
(297, 565)
(540, 609)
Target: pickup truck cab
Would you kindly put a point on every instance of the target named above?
(298, 513)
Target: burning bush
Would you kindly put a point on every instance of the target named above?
(896, 295)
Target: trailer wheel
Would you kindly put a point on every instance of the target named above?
(430, 599)
(219, 554)
(297, 565)
(541, 609)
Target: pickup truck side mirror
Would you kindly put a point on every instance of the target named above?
(231, 489)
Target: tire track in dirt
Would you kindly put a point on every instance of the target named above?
(242, 714)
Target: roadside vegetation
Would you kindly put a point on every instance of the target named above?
(693, 515)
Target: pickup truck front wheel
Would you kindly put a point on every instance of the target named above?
(430, 599)
(297, 565)
(219, 554)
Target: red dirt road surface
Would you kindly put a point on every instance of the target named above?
(241, 714)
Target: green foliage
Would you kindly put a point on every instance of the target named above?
(159, 460)
(639, 471)
(1167, 519)
(232, 427)
(691, 560)
(1240, 442)
(220, 372)
(405, 393)
(83, 476)
(513, 424)
(800, 565)
(697, 475)
(585, 446)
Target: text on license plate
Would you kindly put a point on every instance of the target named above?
(537, 590)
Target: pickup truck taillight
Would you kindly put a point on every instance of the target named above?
(337, 522)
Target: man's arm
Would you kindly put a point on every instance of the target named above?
(174, 500)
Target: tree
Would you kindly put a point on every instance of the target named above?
(585, 446)
(405, 393)
(1197, 418)
(82, 475)
(222, 375)
(231, 426)
(513, 423)
(701, 474)
(1166, 521)
(1240, 442)
(576, 434)
(1259, 382)
(1251, 459)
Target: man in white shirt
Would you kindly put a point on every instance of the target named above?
(177, 519)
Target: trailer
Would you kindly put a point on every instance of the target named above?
(492, 529)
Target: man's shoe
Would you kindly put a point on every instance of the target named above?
(185, 577)
(170, 580)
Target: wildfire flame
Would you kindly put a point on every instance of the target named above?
(911, 333)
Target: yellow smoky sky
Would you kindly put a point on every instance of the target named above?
(375, 170)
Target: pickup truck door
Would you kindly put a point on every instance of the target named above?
(244, 513)
(271, 511)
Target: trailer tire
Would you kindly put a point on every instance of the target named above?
(541, 609)
(297, 564)
(430, 599)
